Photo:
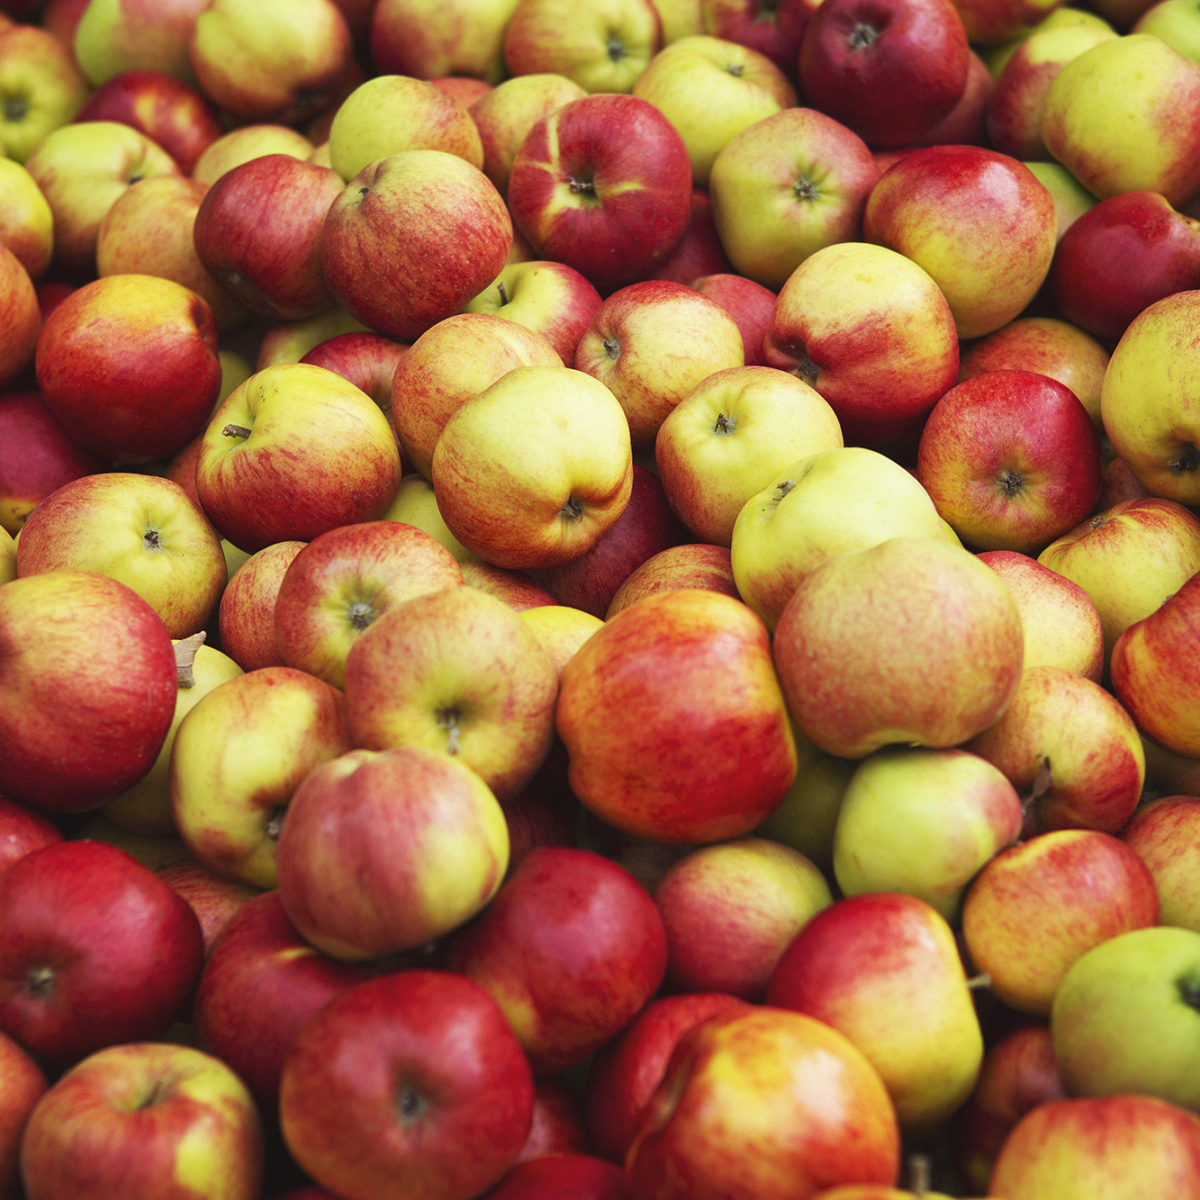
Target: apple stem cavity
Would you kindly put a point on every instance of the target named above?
(185, 659)
(616, 49)
(503, 293)
(612, 347)
(1011, 482)
(409, 1104)
(572, 510)
(275, 825)
(152, 1096)
(861, 36)
(361, 614)
(1189, 992)
(805, 189)
(16, 108)
(1187, 462)
(40, 981)
(724, 426)
(581, 185)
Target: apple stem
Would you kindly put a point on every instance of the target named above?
(977, 982)
(186, 650)
(919, 1173)
(447, 719)
(724, 425)
(237, 431)
(616, 49)
(503, 293)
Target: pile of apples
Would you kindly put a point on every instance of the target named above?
(599, 599)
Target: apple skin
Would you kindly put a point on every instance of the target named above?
(853, 686)
(1071, 750)
(248, 142)
(91, 669)
(246, 615)
(644, 756)
(1086, 1148)
(699, 250)
(429, 39)
(411, 238)
(881, 365)
(516, 588)
(96, 950)
(1039, 905)
(889, 71)
(995, 222)
(603, 184)
(260, 984)
(24, 1083)
(128, 365)
(750, 304)
(765, 1103)
(23, 319)
(1011, 460)
(36, 457)
(367, 360)
(1163, 834)
(213, 899)
(689, 565)
(142, 1117)
(39, 73)
(579, 1175)
(865, 960)
(27, 225)
(22, 830)
(408, 1084)
(775, 32)
(571, 948)
(180, 118)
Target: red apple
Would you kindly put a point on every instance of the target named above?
(750, 304)
(214, 899)
(22, 830)
(22, 318)
(578, 1175)
(691, 565)
(22, 1083)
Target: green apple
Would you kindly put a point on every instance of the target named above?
(1071, 198)
(1126, 1017)
(1175, 22)
(922, 822)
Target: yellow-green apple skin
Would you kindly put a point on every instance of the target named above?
(910, 641)
(680, 18)
(146, 807)
(730, 910)
(246, 142)
(884, 969)
(8, 557)
(730, 436)
(561, 628)
(271, 60)
(1061, 622)
(140, 529)
(786, 186)
(26, 222)
(1101, 1148)
(623, 348)
(292, 452)
(1125, 116)
(128, 35)
(1047, 345)
(1039, 905)
(674, 721)
(1175, 23)
(82, 169)
(1124, 1018)
(996, 54)
(1148, 409)
(458, 358)
(431, 39)
(383, 852)
(1152, 668)
(1071, 198)
(1166, 835)
(756, 1106)
(1129, 559)
(345, 580)
(240, 754)
(1070, 748)
(538, 503)
(390, 113)
(977, 221)
(458, 671)
(711, 89)
(922, 822)
(145, 1116)
(603, 48)
(41, 87)
(821, 505)
(872, 332)
(415, 504)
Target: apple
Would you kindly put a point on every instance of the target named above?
(41, 85)
(240, 754)
(774, 30)
(246, 615)
(271, 61)
(214, 899)
(24, 1083)
(1061, 623)
(689, 565)
(95, 950)
(1011, 460)
(295, 451)
(151, 850)
(457, 358)
(411, 238)
(561, 629)
(698, 251)
(561, 495)
(1037, 906)
(957, 811)
(572, 1173)
(367, 360)
(571, 948)
(455, 671)
(750, 304)
(649, 759)
(1071, 198)
(430, 39)
(766, 1103)
(27, 224)
(732, 909)
(818, 506)
(872, 332)
(128, 365)
(1162, 833)
(786, 186)
(603, 48)
(140, 1117)
(889, 71)
(344, 580)
(965, 123)
(1113, 139)
(140, 529)
(978, 221)
(389, 113)
(1123, 1017)
(90, 685)
(23, 319)
(114, 36)
(247, 142)
(516, 588)
(1078, 1149)
(581, 196)
(1118, 484)
(22, 829)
